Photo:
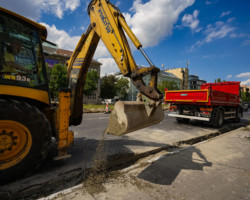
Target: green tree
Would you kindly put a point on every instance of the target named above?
(218, 80)
(91, 82)
(48, 70)
(122, 86)
(108, 89)
(170, 85)
(245, 96)
(58, 79)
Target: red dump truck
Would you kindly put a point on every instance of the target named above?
(214, 103)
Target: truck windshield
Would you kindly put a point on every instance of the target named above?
(21, 61)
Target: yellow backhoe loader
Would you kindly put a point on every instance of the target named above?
(28, 119)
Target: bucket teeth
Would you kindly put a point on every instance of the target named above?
(129, 116)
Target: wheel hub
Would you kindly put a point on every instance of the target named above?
(7, 141)
(15, 143)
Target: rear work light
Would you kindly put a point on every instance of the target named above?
(206, 109)
(173, 107)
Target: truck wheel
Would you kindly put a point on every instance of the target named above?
(25, 138)
(238, 116)
(219, 120)
(182, 120)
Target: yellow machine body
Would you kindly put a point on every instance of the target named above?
(26, 111)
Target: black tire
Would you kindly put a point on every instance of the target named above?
(219, 120)
(39, 129)
(182, 120)
(238, 116)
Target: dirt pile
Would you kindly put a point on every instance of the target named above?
(98, 173)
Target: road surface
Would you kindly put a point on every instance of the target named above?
(54, 176)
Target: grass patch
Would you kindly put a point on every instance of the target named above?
(92, 108)
(89, 106)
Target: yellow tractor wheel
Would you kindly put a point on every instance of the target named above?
(25, 138)
(15, 143)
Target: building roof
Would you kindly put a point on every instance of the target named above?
(194, 76)
(55, 51)
(63, 52)
(164, 73)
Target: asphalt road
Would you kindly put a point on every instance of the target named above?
(54, 175)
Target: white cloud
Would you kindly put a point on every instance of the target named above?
(191, 21)
(247, 82)
(225, 14)
(60, 37)
(213, 32)
(153, 20)
(246, 43)
(243, 75)
(231, 19)
(108, 66)
(211, 2)
(101, 51)
(219, 30)
(240, 35)
(118, 3)
(229, 76)
(33, 9)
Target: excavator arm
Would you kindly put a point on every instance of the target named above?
(108, 24)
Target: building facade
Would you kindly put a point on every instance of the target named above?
(162, 76)
(194, 82)
(53, 55)
(245, 88)
(182, 74)
(166, 76)
(94, 98)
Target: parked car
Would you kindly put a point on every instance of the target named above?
(245, 107)
(110, 101)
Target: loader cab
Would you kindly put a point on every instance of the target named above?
(22, 66)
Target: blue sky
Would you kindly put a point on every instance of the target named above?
(213, 35)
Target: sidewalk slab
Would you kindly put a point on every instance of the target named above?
(215, 169)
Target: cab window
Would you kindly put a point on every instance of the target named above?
(21, 61)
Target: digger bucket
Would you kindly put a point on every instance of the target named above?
(129, 116)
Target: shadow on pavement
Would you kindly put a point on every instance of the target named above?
(164, 171)
(54, 176)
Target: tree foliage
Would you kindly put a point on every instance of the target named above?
(112, 86)
(170, 85)
(122, 86)
(58, 79)
(108, 89)
(48, 70)
(91, 82)
(245, 96)
(218, 80)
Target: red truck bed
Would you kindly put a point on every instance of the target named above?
(226, 94)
